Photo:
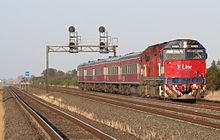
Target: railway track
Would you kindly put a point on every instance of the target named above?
(53, 132)
(201, 104)
(209, 103)
(151, 108)
(85, 126)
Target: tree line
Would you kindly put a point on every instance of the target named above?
(213, 77)
(56, 77)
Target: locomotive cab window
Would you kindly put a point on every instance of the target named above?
(173, 54)
(195, 54)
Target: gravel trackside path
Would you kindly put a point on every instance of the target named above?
(18, 124)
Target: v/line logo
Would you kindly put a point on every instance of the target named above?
(184, 67)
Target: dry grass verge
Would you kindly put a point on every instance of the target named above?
(215, 96)
(111, 123)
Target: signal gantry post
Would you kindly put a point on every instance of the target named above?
(106, 45)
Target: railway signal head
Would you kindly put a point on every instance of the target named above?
(103, 40)
(73, 40)
(72, 29)
(103, 48)
(73, 48)
(101, 29)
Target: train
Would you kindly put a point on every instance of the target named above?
(173, 69)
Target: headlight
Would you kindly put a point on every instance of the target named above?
(194, 86)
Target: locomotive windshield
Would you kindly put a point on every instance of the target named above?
(184, 54)
(173, 54)
(195, 54)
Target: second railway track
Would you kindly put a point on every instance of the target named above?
(147, 107)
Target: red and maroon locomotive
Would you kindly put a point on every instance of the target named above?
(174, 69)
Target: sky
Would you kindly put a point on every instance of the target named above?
(26, 27)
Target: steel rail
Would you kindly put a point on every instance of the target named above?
(209, 103)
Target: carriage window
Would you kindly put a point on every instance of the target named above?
(90, 72)
(195, 54)
(129, 69)
(113, 70)
(124, 69)
(99, 71)
(173, 54)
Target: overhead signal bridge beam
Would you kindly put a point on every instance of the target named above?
(106, 44)
(83, 48)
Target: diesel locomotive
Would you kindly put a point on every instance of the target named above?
(174, 69)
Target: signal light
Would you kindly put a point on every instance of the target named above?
(101, 29)
(73, 48)
(102, 44)
(103, 48)
(71, 44)
(72, 29)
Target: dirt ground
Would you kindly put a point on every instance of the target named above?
(213, 96)
(1, 117)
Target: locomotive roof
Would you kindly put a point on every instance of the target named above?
(180, 42)
(111, 59)
(184, 43)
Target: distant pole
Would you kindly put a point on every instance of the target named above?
(47, 65)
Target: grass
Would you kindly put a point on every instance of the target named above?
(215, 96)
